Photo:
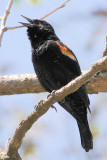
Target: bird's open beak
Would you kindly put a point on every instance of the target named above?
(27, 24)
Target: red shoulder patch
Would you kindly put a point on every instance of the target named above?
(66, 52)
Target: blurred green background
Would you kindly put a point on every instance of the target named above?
(81, 25)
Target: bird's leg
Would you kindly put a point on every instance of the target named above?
(52, 97)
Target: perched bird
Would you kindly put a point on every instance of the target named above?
(56, 65)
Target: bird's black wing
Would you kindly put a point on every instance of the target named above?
(59, 66)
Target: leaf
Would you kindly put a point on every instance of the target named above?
(16, 1)
(29, 150)
(95, 131)
(33, 1)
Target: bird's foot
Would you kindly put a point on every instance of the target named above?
(92, 78)
(53, 107)
(51, 95)
(52, 98)
(36, 107)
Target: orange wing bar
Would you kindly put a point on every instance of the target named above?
(66, 51)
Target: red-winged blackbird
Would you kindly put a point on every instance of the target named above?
(56, 65)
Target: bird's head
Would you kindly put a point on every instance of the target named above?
(38, 30)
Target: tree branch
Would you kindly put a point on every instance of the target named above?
(97, 84)
(18, 84)
(43, 106)
(3, 20)
(29, 83)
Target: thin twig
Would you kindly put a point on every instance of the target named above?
(16, 27)
(3, 20)
(6, 145)
(63, 5)
(43, 106)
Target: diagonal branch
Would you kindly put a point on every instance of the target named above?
(43, 106)
(4, 18)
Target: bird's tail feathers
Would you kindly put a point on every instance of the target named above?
(86, 137)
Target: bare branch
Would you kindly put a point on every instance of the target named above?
(19, 84)
(43, 106)
(29, 83)
(97, 84)
(3, 20)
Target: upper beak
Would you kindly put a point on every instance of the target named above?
(27, 24)
(28, 19)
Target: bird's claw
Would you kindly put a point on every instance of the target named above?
(52, 98)
(53, 107)
(51, 95)
(36, 107)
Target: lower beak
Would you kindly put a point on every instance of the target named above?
(25, 24)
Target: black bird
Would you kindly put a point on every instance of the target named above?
(56, 65)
